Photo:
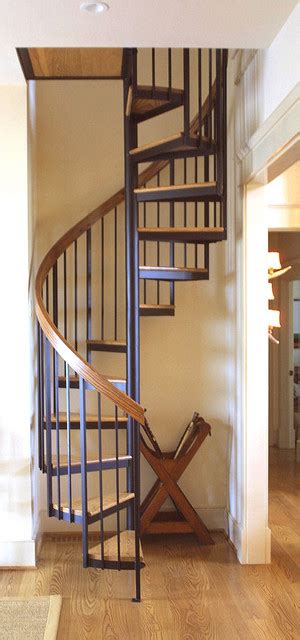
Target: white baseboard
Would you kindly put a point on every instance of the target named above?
(236, 536)
(17, 553)
(213, 518)
(247, 550)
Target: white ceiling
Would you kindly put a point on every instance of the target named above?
(195, 23)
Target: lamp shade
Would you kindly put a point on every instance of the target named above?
(270, 291)
(274, 260)
(274, 318)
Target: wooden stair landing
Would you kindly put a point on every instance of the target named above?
(93, 508)
(127, 548)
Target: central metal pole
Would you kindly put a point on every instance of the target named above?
(132, 260)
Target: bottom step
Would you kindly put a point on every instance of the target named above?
(127, 549)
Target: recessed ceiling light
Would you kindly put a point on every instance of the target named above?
(94, 7)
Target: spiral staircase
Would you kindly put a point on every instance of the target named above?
(118, 264)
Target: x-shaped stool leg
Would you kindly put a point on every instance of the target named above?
(169, 470)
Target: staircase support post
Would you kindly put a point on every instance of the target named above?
(132, 266)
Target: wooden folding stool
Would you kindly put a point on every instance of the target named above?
(169, 467)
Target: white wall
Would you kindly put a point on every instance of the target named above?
(277, 67)
(16, 545)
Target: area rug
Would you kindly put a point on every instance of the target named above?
(30, 618)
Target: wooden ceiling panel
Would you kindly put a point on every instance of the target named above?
(76, 62)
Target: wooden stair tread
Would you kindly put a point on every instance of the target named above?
(127, 548)
(177, 187)
(194, 235)
(163, 93)
(74, 381)
(90, 418)
(143, 105)
(156, 306)
(176, 137)
(93, 508)
(179, 230)
(151, 102)
(107, 345)
(173, 274)
(175, 269)
(157, 310)
(76, 460)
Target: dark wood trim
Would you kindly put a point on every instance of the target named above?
(25, 63)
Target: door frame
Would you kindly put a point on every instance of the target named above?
(267, 151)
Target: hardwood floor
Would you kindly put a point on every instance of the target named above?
(189, 592)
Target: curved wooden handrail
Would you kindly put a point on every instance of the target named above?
(57, 340)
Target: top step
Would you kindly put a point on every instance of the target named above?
(149, 102)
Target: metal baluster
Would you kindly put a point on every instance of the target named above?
(65, 297)
(200, 94)
(170, 72)
(55, 320)
(134, 70)
(224, 123)
(116, 275)
(196, 212)
(75, 298)
(57, 435)
(186, 83)
(215, 178)
(145, 249)
(69, 449)
(172, 223)
(206, 204)
(42, 399)
(83, 472)
(153, 71)
(100, 480)
(218, 168)
(47, 293)
(185, 209)
(65, 302)
(102, 278)
(117, 486)
(136, 442)
(48, 426)
(88, 290)
(158, 243)
(210, 94)
(40, 415)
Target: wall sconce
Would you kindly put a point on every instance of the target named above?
(274, 265)
(270, 292)
(274, 271)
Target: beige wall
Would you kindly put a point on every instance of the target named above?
(79, 163)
